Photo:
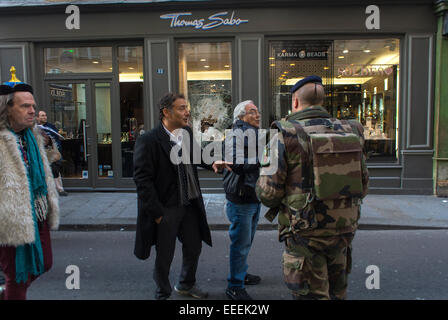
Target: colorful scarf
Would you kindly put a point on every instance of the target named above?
(29, 257)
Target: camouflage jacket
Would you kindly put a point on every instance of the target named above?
(286, 191)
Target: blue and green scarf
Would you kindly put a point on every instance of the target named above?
(29, 257)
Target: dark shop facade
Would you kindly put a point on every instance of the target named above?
(100, 84)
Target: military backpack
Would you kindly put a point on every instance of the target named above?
(335, 157)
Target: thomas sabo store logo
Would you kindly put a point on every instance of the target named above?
(179, 20)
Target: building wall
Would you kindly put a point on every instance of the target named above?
(414, 24)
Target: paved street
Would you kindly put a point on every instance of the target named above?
(413, 265)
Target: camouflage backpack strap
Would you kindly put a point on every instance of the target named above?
(307, 163)
(293, 129)
(299, 206)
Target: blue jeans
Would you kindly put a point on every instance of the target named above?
(244, 220)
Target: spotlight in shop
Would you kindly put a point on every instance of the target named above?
(226, 66)
(271, 58)
(366, 51)
(326, 68)
(341, 57)
(131, 68)
(272, 65)
(345, 51)
(292, 64)
(203, 60)
(96, 62)
(206, 66)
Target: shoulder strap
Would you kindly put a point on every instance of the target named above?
(303, 139)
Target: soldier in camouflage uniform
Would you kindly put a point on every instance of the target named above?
(316, 192)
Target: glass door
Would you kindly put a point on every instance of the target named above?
(69, 112)
(81, 112)
(102, 156)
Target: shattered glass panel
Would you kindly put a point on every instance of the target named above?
(205, 78)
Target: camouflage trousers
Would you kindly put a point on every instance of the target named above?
(317, 268)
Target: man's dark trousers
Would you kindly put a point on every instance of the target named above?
(181, 222)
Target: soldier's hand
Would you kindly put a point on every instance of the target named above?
(159, 219)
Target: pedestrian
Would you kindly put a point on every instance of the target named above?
(170, 202)
(316, 191)
(28, 198)
(51, 150)
(243, 206)
(56, 166)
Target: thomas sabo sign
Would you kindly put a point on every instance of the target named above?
(182, 20)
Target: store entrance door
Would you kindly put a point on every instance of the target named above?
(81, 111)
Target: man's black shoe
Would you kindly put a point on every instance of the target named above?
(237, 294)
(161, 296)
(251, 279)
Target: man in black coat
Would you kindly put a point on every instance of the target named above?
(170, 202)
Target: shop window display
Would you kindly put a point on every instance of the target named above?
(361, 80)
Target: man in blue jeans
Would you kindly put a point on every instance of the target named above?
(243, 207)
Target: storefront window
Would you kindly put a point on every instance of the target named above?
(78, 60)
(205, 78)
(361, 79)
(130, 65)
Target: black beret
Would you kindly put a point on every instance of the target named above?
(15, 87)
(5, 89)
(309, 79)
(22, 87)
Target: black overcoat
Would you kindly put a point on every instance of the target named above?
(156, 179)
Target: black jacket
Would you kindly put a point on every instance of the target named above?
(244, 176)
(156, 179)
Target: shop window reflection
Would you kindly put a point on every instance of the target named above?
(78, 60)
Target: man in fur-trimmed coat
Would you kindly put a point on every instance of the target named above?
(28, 198)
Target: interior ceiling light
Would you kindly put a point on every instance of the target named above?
(366, 50)
(345, 51)
(341, 57)
(226, 66)
(131, 68)
(203, 60)
(271, 58)
(292, 64)
(272, 65)
(206, 66)
(95, 62)
(326, 68)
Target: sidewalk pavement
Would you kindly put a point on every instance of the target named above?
(118, 211)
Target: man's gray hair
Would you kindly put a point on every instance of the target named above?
(6, 101)
(240, 110)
